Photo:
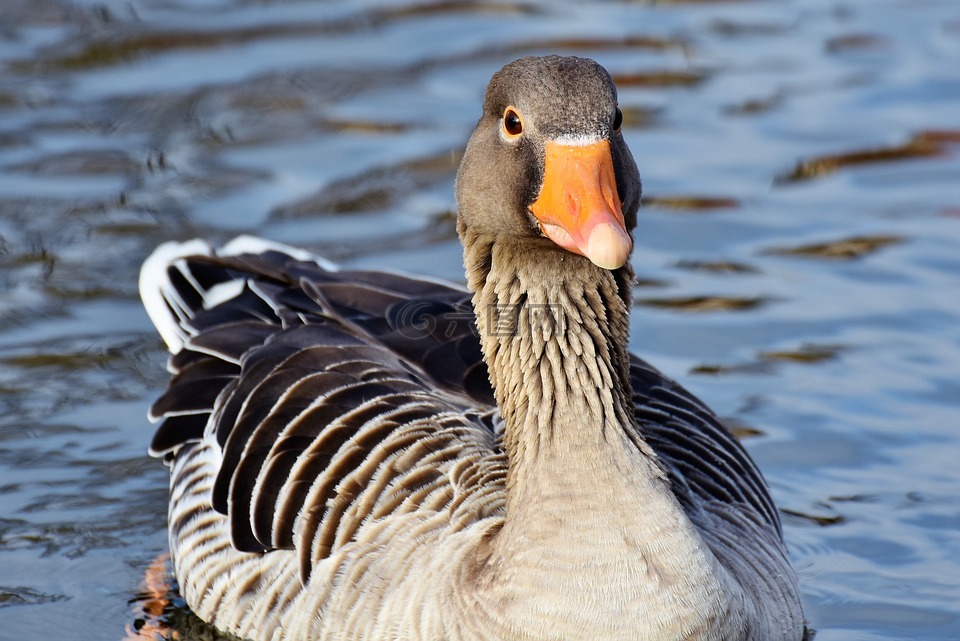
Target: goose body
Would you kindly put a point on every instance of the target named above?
(370, 455)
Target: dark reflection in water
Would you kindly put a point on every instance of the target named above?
(923, 145)
(796, 256)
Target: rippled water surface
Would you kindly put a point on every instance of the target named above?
(798, 254)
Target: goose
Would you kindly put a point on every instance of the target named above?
(369, 455)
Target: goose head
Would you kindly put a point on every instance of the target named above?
(546, 165)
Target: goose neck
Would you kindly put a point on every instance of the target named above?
(554, 331)
(591, 531)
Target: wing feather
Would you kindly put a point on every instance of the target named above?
(705, 461)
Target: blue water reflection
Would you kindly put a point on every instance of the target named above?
(797, 261)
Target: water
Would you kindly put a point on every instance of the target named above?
(798, 253)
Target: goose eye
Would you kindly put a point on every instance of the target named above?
(617, 119)
(512, 123)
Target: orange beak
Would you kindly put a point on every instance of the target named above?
(578, 207)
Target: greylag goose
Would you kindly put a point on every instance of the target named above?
(368, 455)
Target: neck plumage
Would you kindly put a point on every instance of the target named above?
(554, 331)
(592, 532)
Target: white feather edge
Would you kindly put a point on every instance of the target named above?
(156, 288)
(158, 293)
(246, 244)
